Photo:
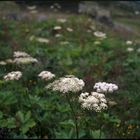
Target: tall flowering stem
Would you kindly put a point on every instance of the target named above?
(66, 85)
(74, 115)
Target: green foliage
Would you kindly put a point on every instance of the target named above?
(31, 111)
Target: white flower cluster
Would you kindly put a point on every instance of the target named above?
(3, 63)
(104, 87)
(100, 34)
(7, 61)
(67, 84)
(23, 58)
(58, 35)
(69, 29)
(20, 54)
(130, 49)
(43, 40)
(62, 20)
(94, 101)
(128, 42)
(57, 28)
(46, 75)
(31, 7)
(15, 75)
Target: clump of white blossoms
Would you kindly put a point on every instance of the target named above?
(67, 84)
(58, 35)
(46, 75)
(23, 58)
(104, 87)
(31, 7)
(9, 61)
(100, 34)
(57, 28)
(15, 75)
(69, 29)
(128, 42)
(130, 49)
(94, 101)
(62, 20)
(42, 40)
(20, 54)
(3, 63)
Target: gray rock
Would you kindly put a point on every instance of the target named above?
(93, 9)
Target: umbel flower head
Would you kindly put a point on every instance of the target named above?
(46, 75)
(104, 87)
(100, 34)
(57, 28)
(129, 42)
(94, 101)
(15, 75)
(23, 58)
(20, 54)
(67, 84)
(62, 20)
(130, 49)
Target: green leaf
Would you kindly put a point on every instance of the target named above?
(81, 133)
(27, 116)
(97, 134)
(20, 116)
(11, 123)
(1, 115)
(68, 123)
(7, 98)
(25, 127)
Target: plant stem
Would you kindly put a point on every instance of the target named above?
(74, 115)
(100, 132)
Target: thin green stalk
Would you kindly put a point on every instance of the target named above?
(74, 115)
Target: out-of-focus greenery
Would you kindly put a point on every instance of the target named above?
(30, 111)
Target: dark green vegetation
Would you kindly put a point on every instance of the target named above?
(30, 111)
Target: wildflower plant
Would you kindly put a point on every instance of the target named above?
(46, 75)
(94, 101)
(68, 85)
(15, 75)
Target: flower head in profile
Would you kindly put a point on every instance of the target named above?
(3, 63)
(23, 58)
(62, 20)
(100, 34)
(58, 35)
(93, 101)
(20, 54)
(130, 49)
(67, 84)
(69, 29)
(128, 42)
(26, 60)
(31, 7)
(57, 28)
(46, 75)
(43, 40)
(15, 75)
(103, 87)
